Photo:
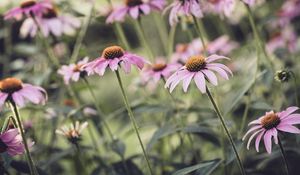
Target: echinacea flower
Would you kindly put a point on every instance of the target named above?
(73, 71)
(50, 23)
(157, 71)
(28, 8)
(221, 7)
(268, 126)
(14, 90)
(113, 57)
(73, 131)
(11, 142)
(288, 11)
(135, 8)
(200, 69)
(184, 7)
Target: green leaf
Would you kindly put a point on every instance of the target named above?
(204, 168)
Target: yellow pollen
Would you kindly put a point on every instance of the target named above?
(195, 63)
(132, 3)
(113, 52)
(10, 85)
(27, 3)
(270, 120)
(158, 67)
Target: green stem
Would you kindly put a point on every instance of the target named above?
(258, 39)
(201, 33)
(171, 40)
(161, 27)
(143, 40)
(15, 110)
(226, 131)
(95, 143)
(49, 50)
(131, 116)
(81, 34)
(248, 98)
(99, 109)
(295, 87)
(284, 157)
(121, 36)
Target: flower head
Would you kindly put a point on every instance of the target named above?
(50, 22)
(11, 142)
(200, 69)
(268, 126)
(288, 11)
(73, 131)
(113, 57)
(28, 8)
(135, 8)
(184, 8)
(159, 70)
(73, 71)
(14, 90)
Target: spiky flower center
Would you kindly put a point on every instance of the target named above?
(50, 13)
(27, 3)
(158, 67)
(10, 85)
(113, 52)
(195, 63)
(3, 146)
(132, 3)
(270, 120)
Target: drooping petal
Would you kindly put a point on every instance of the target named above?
(215, 57)
(258, 139)
(288, 128)
(3, 97)
(268, 141)
(287, 112)
(251, 130)
(18, 99)
(186, 82)
(252, 136)
(200, 82)
(291, 119)
(210, 76)
(220, 71)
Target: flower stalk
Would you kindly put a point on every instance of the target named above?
(226, 131)
(200, 33)
(14, 108)
(284, 157)
(131, 116)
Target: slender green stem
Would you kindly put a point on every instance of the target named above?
(99, 109)
(14, 108)
(284, 157)
(81, 34)
(248, 98)
(131, 116)
(258, 39)
(143, 40)
(171, 40)
(161, 27)
(201, 33)
(226, 131)
(295, 87)
(95, 143)
(121, 35)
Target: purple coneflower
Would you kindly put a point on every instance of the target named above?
(268, 126)
(73, 71)
(73, 131)
(135, 8)
(200, 69)
(11, 142)
(221, 7)
(50, 22)
(13, 89)
(160, 69)
(184, 7)
(113, 57)
(29, 8)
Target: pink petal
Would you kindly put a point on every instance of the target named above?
(134, 12)
(187, 81)
(3, 97)
(258, 138)
(291, 119)
(287, 112)
(180, 77)
(215, 57)
(219, 71)
(250, 130)
(18, 99)
(200, 82)
(222, 66)
(252, 136)
(210, 76)
(113, 64)
(268, 141)
(145, 8)
(288, 128)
